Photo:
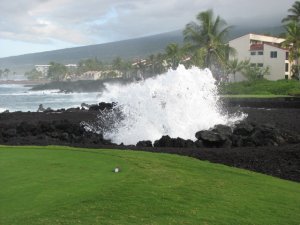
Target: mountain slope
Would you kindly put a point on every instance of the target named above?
(126, 49)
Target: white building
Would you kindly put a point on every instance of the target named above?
(43, 69)
(262, 51)
(71, 66)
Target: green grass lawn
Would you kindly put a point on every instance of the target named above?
(262, 88)
(256, 96)
(61, 185)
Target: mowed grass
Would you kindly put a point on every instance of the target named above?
(62, 185)
(262, 88)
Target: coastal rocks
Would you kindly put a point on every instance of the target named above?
(246, 134)
(243, 134)
(166, 141)
(42, 109)
(144, 144)
(101, 106)
(49, 132)
(218, 137)
(9, 133)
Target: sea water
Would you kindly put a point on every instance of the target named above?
(178, 103)
(17, 97)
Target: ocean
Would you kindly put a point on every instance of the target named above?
(17, 97)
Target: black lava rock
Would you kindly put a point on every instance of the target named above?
(166, 141)
(144, 144)
(211, 138)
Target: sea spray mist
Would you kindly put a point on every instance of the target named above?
(178, 103)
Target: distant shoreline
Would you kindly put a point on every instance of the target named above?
(25, 82)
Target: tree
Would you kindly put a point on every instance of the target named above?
(173, 55)
(151, 63)
(122, 66)
(34, 75)
(292, 42)
(234, 66)
(117, 63)
(253, 73)
(294, 13)
(209, 36)
(57, 71)
(160, 64)
(89, 65)
(6, 72)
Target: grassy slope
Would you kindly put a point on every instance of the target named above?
(262, 88)
(59, 185)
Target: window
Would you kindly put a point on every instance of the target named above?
(260, 64)
(260, 53)
(252, 64)
(273, 54)
(287, 56)
(253, 53)
(286, 67)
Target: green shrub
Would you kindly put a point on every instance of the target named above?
(294, 92)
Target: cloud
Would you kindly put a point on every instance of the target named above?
(94, 21)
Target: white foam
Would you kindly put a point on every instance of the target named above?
(178, 103)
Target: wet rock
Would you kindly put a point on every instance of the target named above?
(166, 141)
(211, 138)
(243, 129)
(101, 106)
(144, 144)
(266, 135)
(222, 130)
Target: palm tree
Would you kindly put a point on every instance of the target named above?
(292, 42)
(234, 66)
(160, 63)
(295, 13)
(173, 54)
(57, 71)
(151, 63)
(117, 63)
(209, 35)
(6, 72)
(253, 73)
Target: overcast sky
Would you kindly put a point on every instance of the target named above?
(39, 25)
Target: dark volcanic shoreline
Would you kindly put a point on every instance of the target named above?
(29, 128)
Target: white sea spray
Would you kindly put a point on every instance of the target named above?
(178, 103)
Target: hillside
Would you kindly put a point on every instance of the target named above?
(127, 49)
(62, 185)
